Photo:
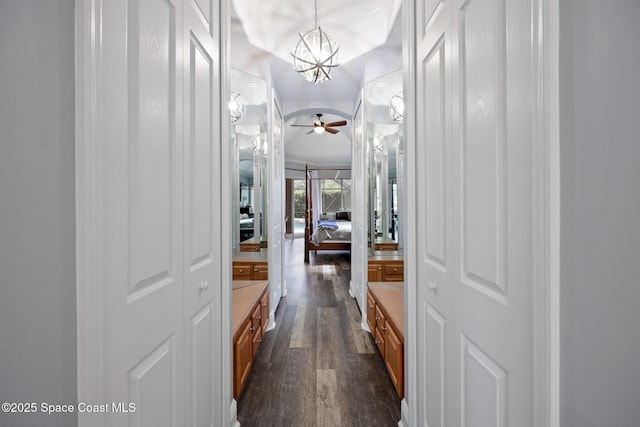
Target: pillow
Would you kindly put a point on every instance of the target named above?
(331, 216)
(244, 216)
(344, 216)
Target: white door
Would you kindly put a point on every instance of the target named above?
(474, 195)
(142, 219)
(202, 213)
(359, 212)
(149, 308)
(276, 208)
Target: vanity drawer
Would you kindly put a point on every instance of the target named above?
(394, 272)
(241, 271)
(260, 271)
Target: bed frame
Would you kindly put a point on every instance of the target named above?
(327, 245)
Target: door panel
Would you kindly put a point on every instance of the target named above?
(151, 157)
(482, 144)
(150, 386)
(435, 378)
(484, 388)
(201, 368)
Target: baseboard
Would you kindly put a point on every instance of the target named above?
(404, 414)
(233, 414)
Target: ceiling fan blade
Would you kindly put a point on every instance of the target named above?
(332, 131)
(304, 126)
(311, 131)
(340, 123)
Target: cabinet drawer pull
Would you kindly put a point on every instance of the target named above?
(253, 328)
(395, 269)
(256, 270)
(241, 270)
(384, 328)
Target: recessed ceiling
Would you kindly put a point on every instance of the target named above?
(318, 149)
(357, 26)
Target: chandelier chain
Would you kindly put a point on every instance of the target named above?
(316, 13)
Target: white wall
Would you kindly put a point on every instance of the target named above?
(37, 197)
(600, 240)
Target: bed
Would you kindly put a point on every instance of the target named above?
(324, 231)
(246, 227)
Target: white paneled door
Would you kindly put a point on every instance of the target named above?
(202, 213)
(150, 223)
(276, 196)
(475, 100)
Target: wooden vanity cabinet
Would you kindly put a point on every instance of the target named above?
(388, 339)
(253, 312)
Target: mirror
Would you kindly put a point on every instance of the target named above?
(249, 137)
(383, 114)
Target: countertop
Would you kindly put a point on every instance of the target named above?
(245, 294)
(390, 295)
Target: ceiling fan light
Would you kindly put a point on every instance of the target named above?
(237, 108)
(318, 129)
(396, 108)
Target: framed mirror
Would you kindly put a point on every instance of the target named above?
(248, 109)
(384, 115)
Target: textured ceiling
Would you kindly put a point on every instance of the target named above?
(274, 24)
(357, 26)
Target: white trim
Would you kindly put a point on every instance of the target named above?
(409, 404)
(404, 414)
(226, 347)
(551, 60)
(88, 190)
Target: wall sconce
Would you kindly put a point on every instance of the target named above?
(237, 109)
(396, 108)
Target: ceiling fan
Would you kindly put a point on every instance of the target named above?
(320, 127)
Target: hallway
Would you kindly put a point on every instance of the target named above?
(318, 367)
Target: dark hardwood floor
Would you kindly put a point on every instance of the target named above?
(317, 367)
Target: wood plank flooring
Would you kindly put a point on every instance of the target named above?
(317, 367)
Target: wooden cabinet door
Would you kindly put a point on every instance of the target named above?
(374, 272)
(394, 359)
(255, 341)
(380, 331)
(371, 313)
(264, 304)
(243, 356)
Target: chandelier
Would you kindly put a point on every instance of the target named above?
(396, 108)
(237, 108)
(316, 54)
